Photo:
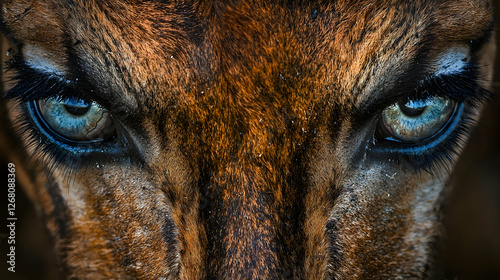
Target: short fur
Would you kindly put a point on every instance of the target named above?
(249, 135)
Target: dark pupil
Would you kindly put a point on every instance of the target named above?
(77, 108)
(411, 111)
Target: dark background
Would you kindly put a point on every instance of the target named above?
(472, 246)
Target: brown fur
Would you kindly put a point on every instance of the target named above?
(244, 120)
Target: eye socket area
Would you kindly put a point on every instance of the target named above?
(74, 120)
(414, 121)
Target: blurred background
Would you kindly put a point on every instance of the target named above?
(471, 248)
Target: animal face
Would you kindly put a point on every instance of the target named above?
(243, 139)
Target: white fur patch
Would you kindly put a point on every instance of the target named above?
(453, 60)
(38, 59)
(425, 221)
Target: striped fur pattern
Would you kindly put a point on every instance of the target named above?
(249, 129)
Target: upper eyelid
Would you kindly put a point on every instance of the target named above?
(31, 85)
(422, 71)
(466, 85)
(462, 87)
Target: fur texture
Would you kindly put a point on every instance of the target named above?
(248, 127)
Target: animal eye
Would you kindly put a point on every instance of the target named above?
(75, 120)
(416, 120)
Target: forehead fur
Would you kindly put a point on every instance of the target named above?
(351, 33)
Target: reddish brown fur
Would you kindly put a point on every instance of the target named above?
(244, 119)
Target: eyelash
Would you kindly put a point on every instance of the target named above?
(433, 156)
(30, 86)
(72, 157)
(438, 154)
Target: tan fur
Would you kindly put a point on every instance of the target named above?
(249, 157)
